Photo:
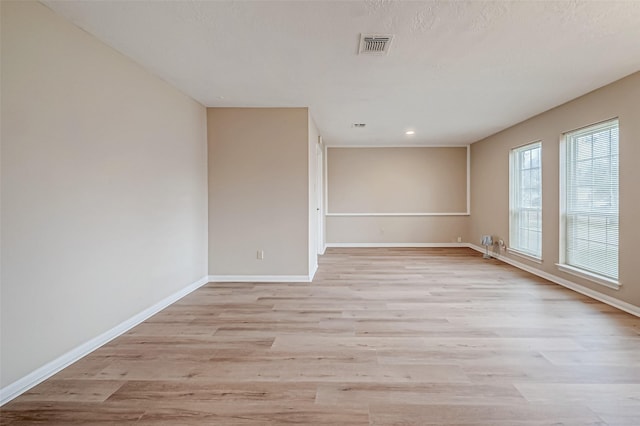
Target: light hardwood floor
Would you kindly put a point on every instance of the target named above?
(381, 337)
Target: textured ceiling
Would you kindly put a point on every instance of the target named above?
(457, 71)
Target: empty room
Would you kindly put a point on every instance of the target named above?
(367, 212)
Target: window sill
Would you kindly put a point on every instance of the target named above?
(598, 279)
(525, 255)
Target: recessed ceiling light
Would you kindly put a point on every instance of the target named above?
(410, 132)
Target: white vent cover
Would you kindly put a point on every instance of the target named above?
(375, 44)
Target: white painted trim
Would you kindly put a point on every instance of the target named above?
(535, 141)
(562, 237)
(595, 278)
(325, 188)
(39, 375)
(562, 200)
(27, 382)
(611, 301)
(513, 191)
(524, 255)
(397, 245)
(260, 278)
(398, 146)
(468, 179)
(599, 123)
(396, 214)
(313, 271)
(313, 208)
(320, 218)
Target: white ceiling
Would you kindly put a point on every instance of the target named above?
(457, 71)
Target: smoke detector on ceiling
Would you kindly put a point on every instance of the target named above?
(375, 44)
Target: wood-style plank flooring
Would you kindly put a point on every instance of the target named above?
(381, 337)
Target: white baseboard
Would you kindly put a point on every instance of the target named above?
(32, 379)
(611, 301)
(22, 385)
(396, 245)
(260, 278)
(313, 271)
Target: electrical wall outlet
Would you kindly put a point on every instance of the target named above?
(459, 239)
(260, 255)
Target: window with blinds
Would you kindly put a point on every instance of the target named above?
(590, 198)
(525, 200)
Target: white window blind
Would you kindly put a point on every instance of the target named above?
(525, 200)
(591, 199)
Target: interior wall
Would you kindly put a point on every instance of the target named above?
(313, 195)
(397, 180)
(412, 195)
(103, 189)
(396, 229)
(490, 177)
(258, 191)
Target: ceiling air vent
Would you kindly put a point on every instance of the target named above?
(375, 44)
(359, 125)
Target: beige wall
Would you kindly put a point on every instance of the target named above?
(397, 229)
(258, 191)
(490, 177)
(415, 180)
(103, 191)
(397, 180)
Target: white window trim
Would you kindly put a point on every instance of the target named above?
(589, 276)
(517, 252)
(561, 265)
(524, 255)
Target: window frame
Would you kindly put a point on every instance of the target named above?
(513, 192)
(562, 264)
